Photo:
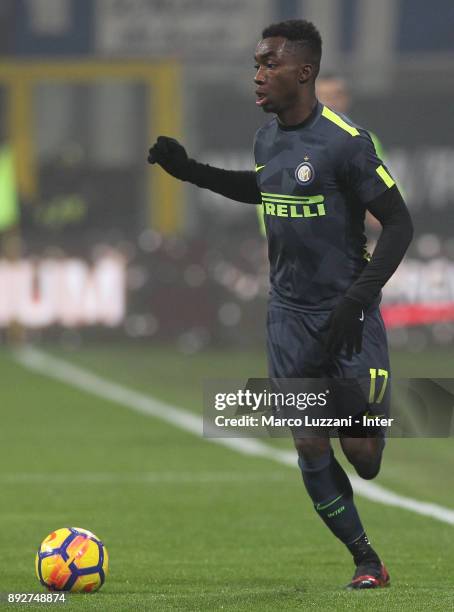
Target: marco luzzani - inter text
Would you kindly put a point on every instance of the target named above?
(281, 403)
(305, 421)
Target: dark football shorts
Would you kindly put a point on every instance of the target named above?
(296, 350)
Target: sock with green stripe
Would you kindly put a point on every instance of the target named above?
(330, 490)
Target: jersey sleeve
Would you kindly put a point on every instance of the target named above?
(364, 174)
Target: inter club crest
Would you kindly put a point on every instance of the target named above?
(305, 173)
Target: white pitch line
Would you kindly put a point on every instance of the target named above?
(75, 376)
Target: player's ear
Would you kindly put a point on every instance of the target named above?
(305, 73)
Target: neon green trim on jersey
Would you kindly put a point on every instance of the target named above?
(279, 201)
(332, 116)
(385, 177)
(378, 145)
(258, 168)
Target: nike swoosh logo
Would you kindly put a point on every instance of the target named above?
(258, 168)
(361, 318)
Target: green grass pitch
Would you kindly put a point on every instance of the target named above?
(191, 525)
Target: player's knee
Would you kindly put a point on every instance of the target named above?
(367, 466)
(367, 470)
(365, 455)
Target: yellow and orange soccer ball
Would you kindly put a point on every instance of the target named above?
(72, 559)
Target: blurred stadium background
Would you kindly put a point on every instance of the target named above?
(98, 245)
(118, 268)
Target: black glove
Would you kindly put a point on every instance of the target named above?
(345, 327)
(172, 156)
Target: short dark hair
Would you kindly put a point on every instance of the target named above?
(300, 32)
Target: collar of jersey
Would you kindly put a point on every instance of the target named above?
(314, 114)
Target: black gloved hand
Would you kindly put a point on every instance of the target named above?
(345, 327)
(172, 156)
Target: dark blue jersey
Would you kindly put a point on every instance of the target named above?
(316, 180)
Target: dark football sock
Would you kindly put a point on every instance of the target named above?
(362, 551)
(330, 490)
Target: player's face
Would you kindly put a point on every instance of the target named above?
(278, 77)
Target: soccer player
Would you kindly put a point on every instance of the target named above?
(316, 174)
(332, 90)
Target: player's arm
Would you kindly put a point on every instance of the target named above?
(390, 209)
(237, 185)
(367, 178)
